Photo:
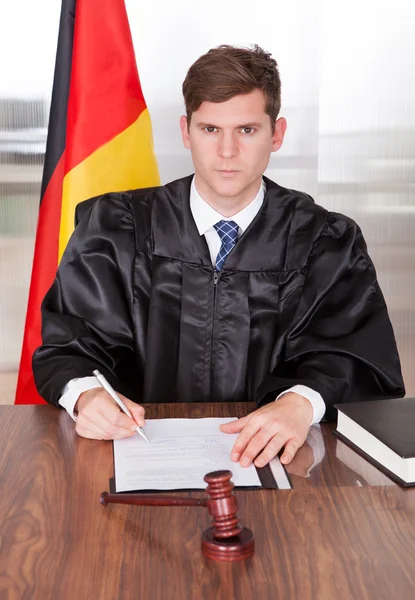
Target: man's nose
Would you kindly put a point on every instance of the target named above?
(228, 146)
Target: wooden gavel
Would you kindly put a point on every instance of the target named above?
(226, 539)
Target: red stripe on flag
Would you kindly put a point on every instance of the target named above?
(45, 264)
(105, 94)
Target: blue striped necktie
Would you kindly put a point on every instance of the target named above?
(228, 233)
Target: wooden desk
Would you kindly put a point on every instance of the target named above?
(342, 532)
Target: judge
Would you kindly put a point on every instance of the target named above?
(219, 287)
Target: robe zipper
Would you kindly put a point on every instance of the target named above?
(215, 283)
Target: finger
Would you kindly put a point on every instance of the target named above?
(101, 429)
(256, 444)
(243, 440)
(96, 433)
(106, 421)
(115, 420)
(271, 449)
(121, 434)
(235, 426)
(137, 411)
(290, 450)
(108, 412)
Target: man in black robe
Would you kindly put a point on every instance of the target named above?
(223, 287)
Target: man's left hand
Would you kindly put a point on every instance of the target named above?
(264, 432)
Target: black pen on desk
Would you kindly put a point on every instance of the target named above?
(110, 390)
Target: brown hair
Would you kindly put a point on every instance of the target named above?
(228, 71)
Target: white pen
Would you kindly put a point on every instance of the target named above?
(110, 390)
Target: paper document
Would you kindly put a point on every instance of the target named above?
(180, 453)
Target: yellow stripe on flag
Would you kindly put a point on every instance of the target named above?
(124, 163)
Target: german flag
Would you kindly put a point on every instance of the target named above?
(99, 140)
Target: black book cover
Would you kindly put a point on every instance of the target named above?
(390, 421)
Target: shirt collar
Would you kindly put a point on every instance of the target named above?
(205, 216)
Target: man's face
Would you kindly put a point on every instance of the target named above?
(231, 143)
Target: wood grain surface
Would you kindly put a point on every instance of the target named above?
(342, 532)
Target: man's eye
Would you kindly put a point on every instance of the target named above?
(210, 129)
(248, 130)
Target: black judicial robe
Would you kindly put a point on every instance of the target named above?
(297, 302)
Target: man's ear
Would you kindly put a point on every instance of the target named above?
(279, 133)
(185, 132)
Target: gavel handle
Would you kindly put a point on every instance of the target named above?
(151, 500)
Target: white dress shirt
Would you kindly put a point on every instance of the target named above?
(205, 218)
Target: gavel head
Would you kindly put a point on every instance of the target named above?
(226, 540)
(222, 504)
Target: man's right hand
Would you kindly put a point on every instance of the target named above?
(99, 418)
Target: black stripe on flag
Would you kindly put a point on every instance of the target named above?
(56, 139)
